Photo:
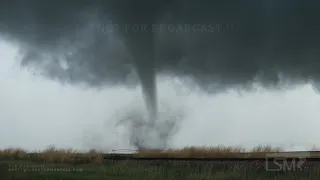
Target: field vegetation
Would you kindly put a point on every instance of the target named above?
(55, 163)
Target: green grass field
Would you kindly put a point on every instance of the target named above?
(69, 165)
(149, 171)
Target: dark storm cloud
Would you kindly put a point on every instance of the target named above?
(228, 42)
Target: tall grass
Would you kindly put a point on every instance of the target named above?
(93, 166)
(56, 155)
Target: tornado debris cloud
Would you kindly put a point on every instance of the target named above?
(230, 43)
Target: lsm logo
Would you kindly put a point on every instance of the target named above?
(286, 161)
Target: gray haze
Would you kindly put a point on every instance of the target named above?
(36, 112)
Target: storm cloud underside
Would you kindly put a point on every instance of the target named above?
(272, 43)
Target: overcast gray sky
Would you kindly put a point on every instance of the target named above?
(35, 113)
